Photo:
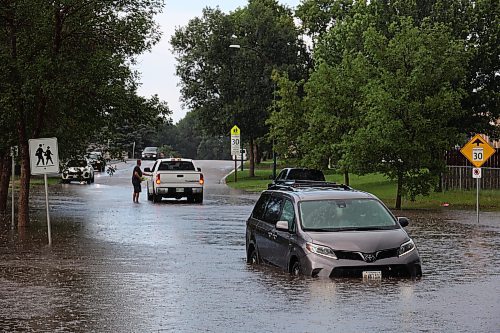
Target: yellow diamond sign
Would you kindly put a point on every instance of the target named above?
(477, 151)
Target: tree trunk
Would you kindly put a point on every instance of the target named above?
(24, 185)
(5, 170)
(346, 177)
(251, 158)
(399, 191)
(258, 155)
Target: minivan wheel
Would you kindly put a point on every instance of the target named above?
(253, 258)
(296, 268)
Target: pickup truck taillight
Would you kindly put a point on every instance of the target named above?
(202, 180)
(158, 179)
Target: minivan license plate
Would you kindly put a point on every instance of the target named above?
(372, 275)
(179, 190)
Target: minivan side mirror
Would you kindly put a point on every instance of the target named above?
(147, 170)
(403, 221)
(282, 225)
(199, 169)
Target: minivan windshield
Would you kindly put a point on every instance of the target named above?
(351, 214)
(150, 150)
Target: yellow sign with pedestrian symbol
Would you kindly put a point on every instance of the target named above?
(235, 130)
(477, 151)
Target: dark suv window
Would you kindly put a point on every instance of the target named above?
(260, 207)
(273, 209)
(306, 174)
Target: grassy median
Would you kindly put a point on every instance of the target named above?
(382, 187)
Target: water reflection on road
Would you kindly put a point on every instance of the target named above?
(175, 267)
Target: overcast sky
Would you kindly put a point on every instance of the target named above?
(158, 67)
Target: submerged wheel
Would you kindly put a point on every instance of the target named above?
(253, 257)
(296, 268)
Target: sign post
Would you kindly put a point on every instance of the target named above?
(44, 159)
(477, 151)
(13, 154)
(235, 149)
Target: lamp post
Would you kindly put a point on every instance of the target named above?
(238, 46)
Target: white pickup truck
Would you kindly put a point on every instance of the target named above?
(175, 178)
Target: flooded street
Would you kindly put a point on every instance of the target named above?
(116, 266)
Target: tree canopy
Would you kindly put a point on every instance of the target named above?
(65, 71)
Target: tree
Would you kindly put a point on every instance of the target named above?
(411, 105)
(227, 87)
(67, 68)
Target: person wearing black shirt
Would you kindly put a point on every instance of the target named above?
(136, 181)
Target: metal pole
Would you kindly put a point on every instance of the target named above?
(274, 162)
(241, 159)
(133, 151)
(235, 168)
(13, 189)
(47, 205)
(274, 152)
(477, 199)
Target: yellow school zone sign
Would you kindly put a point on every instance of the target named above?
(235, 130)
(477, 151)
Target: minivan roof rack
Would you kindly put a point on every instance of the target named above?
(297, 185)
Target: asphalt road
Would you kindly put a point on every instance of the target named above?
(116, 266)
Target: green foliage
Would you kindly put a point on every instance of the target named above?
(65, 67)
(233, 86)
(168, 151)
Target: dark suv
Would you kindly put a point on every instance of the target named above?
(327, 229)
(294, 175)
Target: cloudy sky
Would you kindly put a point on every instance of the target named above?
(158, 67)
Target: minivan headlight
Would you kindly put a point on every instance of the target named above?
(321, 250)
(406, 248)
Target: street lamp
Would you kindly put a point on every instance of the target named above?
(238, 46)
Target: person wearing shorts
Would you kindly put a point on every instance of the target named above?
(136, 181)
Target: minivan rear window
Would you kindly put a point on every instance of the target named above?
(260, 207)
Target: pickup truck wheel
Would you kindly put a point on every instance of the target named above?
(89, 181)
(150, 197)
(156, 198)
(198, 198)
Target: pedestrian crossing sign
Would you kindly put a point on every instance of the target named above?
(44, 156)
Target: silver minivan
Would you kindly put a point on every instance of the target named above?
(322, 229)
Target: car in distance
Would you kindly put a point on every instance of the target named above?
(150, 153)
(78, 169)
(292, 175)
(97, 160)
(329, 230)
(175, 178)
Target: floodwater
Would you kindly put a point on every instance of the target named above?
(115, 266)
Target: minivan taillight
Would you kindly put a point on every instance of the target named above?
(202, 180)
(158, 179)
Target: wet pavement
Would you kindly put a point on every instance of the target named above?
(115, 266)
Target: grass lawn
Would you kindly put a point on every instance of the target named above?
(382, 187)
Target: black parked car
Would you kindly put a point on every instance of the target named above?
(291, 175)
(97, 161)
(150, 153)
(329, 230)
